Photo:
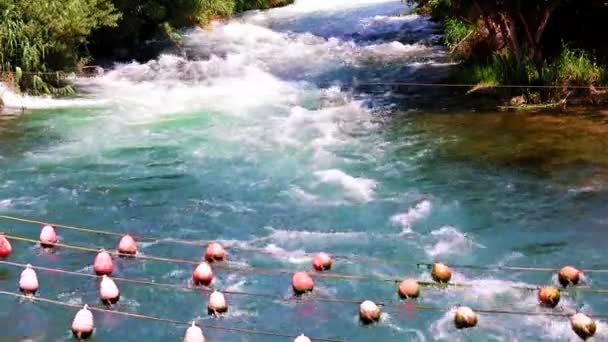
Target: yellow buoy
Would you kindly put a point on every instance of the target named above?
(441, 273)
(549, 296)
(583, 325)
(465, 317)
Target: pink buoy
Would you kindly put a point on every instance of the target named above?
(202, 275)
(302, 283)
(194, 334)
(82, 325)
(217, 303)
(108, 291)
(28, 282)
(127, 245)
(103, 263)
(215, 252)
(569, 276)
(321, 262)
(5, 247)
(48, 236)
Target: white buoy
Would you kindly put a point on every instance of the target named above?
(217, 303)
(108, 291)
(583, 326)
(28, 282)
(82, 325)
(194, 334)
(302, 338)
(369, 312)
(48, 236)
(465, 317)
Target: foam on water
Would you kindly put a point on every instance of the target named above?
(449, 240)
(357, 188)
(15, 101)
(408, 219)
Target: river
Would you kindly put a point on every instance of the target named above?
(275, 134)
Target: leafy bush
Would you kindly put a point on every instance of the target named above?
(455, 31)
(572, 67)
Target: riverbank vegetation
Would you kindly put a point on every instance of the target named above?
(536, 43)
(41, 40)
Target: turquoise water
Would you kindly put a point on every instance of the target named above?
(260, 141)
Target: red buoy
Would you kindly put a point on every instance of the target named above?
(215, 252)
(48, 236)
(103, 263)
(549, 296)
(5, 247)
(82, 325)
(108, 291)
(202, 275)
(302, 283)
(321, 262)
(127, 245)
(28, 282)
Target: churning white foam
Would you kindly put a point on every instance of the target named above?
(449, 240)
(408, 219)
(357, 188)
(14, 101)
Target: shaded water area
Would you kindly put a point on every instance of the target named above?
(266, 138)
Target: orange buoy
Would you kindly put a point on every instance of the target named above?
(5, 247)
(202, 274)
(127, 245)
(302, 283)
(302, 338)
(108, 291)
(28, 282)
(103, 263)
(441, 273)
(217, 303)
(465, 317)
(409, 288)
(569, 276)
(194, 334)
(583, 326)
(548, 296)
(82, 325)
(321, 262)
(369, 312)
(48, 236)
(215, 252)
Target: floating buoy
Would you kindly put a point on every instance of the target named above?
(103, 263)
(569, 276)
(409, 288)
(194, 334)
(302, 283)
(465, 317)
(369, 312)
(202, 275)
(82, 325)
(108, 291)
(127, 245)
(28, 282)
(5, 247)
(441, 273)
(583, 326)
(302, 338)
(215, 252)
(321, 262)
(217, 303)
(48, 237)
(548, 296)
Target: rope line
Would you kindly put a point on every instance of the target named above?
(271, 271)
(261, 250)
(166, 320)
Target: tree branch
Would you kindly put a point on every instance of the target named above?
(545, 20)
